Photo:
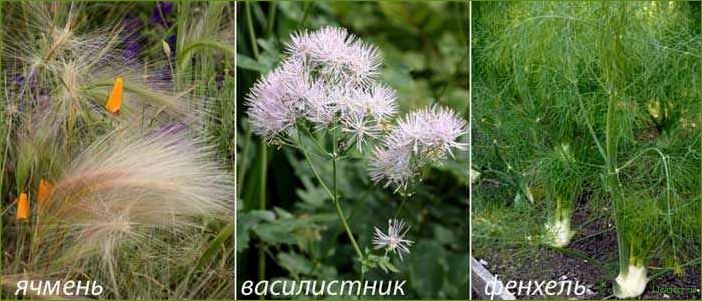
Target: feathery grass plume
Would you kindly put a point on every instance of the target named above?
(122, 190)
(120, 184)
(66, 79)
(22, 207)
(134, 201)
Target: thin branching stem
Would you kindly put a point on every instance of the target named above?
(333, 193)
(337, 202)
(309, 162)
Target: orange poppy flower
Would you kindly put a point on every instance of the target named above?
(114, 99)
(45, 188)
(22, 207)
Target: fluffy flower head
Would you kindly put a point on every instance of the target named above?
(422, 137)
(394, 241)
(330, 76)
(432, 132)
(275, 100)
(337, 54)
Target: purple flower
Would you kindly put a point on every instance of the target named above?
(160, 14)
(377, 102)
(18, 80)
(171, 128)
(277, 100)
(132, 46)
(422, 137)
(330, 80)
(132, 50)
(394, 241)
(161, 77)
(171, 41)
(328, 77)
(432, 132)
(360, 128)
(132, 23)
(392, 166)
(337, 54)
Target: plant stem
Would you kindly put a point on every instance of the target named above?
(333, 193)
(308, 7)
(612, 78)
(309, 162)
(337, 203)
(113, 279)
(241, 173)
(262, 206)
(402, 204)
(252, 34)
(271, 19)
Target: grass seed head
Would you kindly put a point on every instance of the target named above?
(124, 187)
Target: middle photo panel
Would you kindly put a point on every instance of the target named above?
(352, 150)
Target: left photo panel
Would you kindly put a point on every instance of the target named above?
(117, 137)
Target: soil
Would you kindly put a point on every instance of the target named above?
(596, 240)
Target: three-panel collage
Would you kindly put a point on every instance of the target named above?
(376, 150)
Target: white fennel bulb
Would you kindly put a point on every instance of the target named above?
(558, 232)
(632, 283)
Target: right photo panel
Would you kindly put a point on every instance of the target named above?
(586, 139)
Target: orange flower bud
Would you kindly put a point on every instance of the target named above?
(22, 207)
(45, 188)
(114, 100)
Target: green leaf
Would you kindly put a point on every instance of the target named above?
(295, 263)
(246, 62)
(312, 196)
(246, 221)
(457, 287)
(215, 244)
(186, 51)
(276, 233)
(371, 261)
(443, 234)
(427, 268)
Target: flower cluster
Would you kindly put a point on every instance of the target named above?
(422, 137)
(329, 77)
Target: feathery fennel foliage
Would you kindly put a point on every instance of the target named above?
(594, 107)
